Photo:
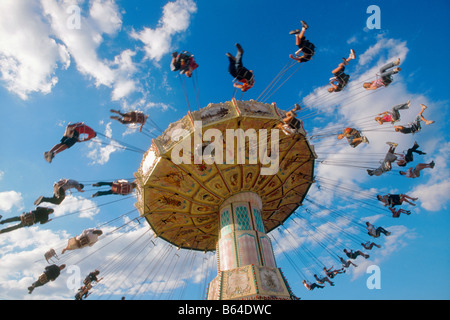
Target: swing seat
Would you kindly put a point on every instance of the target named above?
(141, 118)
(50, 254)
(27, 219)
(83, 241)
(43, 278)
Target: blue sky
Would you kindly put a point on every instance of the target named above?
(51, 75)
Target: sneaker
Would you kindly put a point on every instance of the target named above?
(296, 31)
(364, 139)
(432, 164)
(229, 55)
(304, 24)
(366, 256)
(238, 46)
(397, 62)
(49, 156)
(392, 144)
(370, 172)
(38, 201)
(423, 106)
(352, 54)
(429, 122)
(408, 103)
(397, 70)
(95, 185)
(388, 233)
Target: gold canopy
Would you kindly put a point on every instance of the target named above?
(181, 201)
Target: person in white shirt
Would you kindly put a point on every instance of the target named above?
(415, 173)
(310, 286)
(387, 162)
(59, 193)
(376, 232)
(87, 238)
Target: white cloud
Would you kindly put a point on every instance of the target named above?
(175, 19)
(10, 199)
(123, 89)
(395, 48)
(399, 238)
(32, 53)
(100, 154)
(82, 44)
(434, 195)
(29, 57)
(83, 207)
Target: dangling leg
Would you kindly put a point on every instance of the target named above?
(100, 184)
(395, 110)
(422, 117)
(102, 193)
(117, 118)
(14, 219)
(404, 197)
(415, 149)
(17, 226)
(117, 111)
(383, 231)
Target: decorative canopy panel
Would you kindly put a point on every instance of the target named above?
(179, 195)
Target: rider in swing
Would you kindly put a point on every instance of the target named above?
(243, 78)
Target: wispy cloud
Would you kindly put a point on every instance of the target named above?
(29, 56)
(10, 199)
(100, 154)
(176, 18)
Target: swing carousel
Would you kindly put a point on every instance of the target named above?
(227, 206)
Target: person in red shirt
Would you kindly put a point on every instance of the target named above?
(122, 187)
(183, 61)
(77, 132)
(396, 213)
(393, 115)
